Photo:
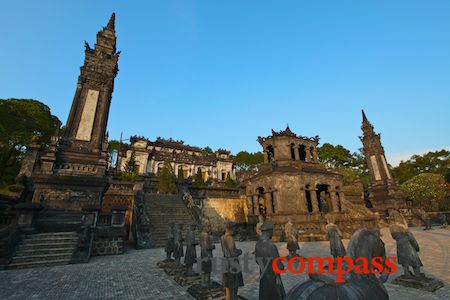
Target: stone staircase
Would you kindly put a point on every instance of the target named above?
(45, 249)
(164, 209)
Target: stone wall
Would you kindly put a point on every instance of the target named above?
(119, 193)
(107, 246)
(217, 210)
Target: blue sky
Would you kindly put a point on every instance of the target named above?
(221, 73)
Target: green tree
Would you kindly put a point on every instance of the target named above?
(21, 120)
(198, 179)
(180, 174)
(130, 165)
(208, 150)
(432, 162)
(229, 182)
(129, 173)
(425, 186)
(247, 161)
(167, 182)
(334, 156)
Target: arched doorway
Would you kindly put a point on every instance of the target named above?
(323, 198)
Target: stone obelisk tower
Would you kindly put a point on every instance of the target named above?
(72, 173)
(384, 190)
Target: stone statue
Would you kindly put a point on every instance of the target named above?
(258, 225)
(426, 220)
(232, 277)
(292, 236)
(178, 244)
(323, 203)
(207, 247)
(364, 243)
(270, 284)
(443, 220)
(170, 244)
(191, 255)
(407, 249)
(334, 235)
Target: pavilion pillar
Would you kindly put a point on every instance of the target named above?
(296, 154)
(334, 201)
(316, 155)
(308, 155)
(314, 200)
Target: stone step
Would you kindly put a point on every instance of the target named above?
(42, 257)
(43, 246)
(50, 240)
(51, 235)
(29, 252)
(46, 263)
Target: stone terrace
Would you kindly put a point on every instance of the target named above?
(134, 275)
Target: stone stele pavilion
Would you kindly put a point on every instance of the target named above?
(292, 185)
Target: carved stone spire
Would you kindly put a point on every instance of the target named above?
(85, 133)
(384, 192)
(111, 22)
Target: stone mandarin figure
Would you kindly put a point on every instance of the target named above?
(292, 236)
(207, 247)
(337, 249)
(170, 244)
(232, 277)
(178, 251)
(270, 284)
(191, 255)
(407, 249)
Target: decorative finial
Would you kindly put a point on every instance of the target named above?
(364, 117)
(111, 22)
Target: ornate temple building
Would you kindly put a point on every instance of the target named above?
(292, 185)
(72, 173)
(151, 156)
(384, 192)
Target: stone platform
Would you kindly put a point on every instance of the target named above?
(135, 275)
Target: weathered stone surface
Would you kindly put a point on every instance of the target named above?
(384, 192)
(292, 185)
(136, 276)
(422, 283)
(215, 291)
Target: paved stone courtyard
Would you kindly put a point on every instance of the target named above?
(135, 275)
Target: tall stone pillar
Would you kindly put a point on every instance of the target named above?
(316, 155)
(255, 204)
(334, 201)
(270, 203)
(296, 154)
(314, 200)
(308, 155)
(342, 199)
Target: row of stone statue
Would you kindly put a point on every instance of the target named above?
(364, 242)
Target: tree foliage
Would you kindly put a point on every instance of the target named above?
(334, 156)
(425, 186)
(21, 121)
(130, 165)
(198, 179)
(229, 182)
(180, 174)
(167, 182)
(248, 161)
(432, 162)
